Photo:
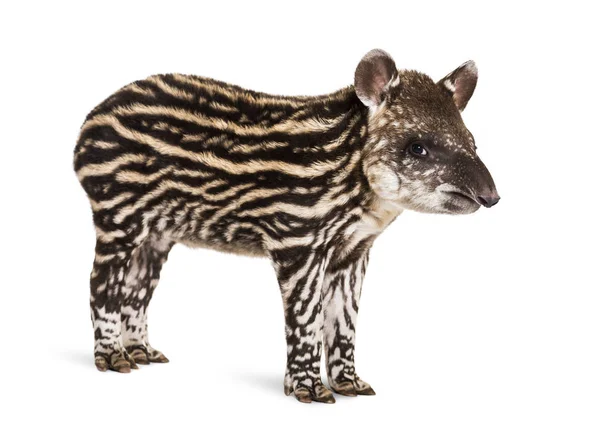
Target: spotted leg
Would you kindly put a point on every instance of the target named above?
(140, 281)
(107, 278)
(342, 288)
(300, 274)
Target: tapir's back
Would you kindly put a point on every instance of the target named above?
(210, 97)
(198, 113)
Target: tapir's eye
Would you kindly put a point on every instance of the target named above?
(418, 149)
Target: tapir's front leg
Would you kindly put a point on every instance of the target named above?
(300, 272)
(341, 294)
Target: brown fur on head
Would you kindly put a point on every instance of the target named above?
(419, 154)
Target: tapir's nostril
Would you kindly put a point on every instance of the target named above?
(488, 201)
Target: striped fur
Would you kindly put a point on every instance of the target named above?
(184, 159)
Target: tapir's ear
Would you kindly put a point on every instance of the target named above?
(461, 84)
(373, 75)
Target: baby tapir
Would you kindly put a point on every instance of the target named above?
(307, 181)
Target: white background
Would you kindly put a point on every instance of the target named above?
(492, 316)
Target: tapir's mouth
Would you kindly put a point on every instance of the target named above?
(462, 196)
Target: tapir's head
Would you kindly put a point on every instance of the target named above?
(419, 154)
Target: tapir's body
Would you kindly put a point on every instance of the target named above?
(307, 181)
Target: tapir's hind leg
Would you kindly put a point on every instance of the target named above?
(141, 279)
(122, 282)
(106, 298)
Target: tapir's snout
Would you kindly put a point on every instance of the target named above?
(488, 201)
(484, 188)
